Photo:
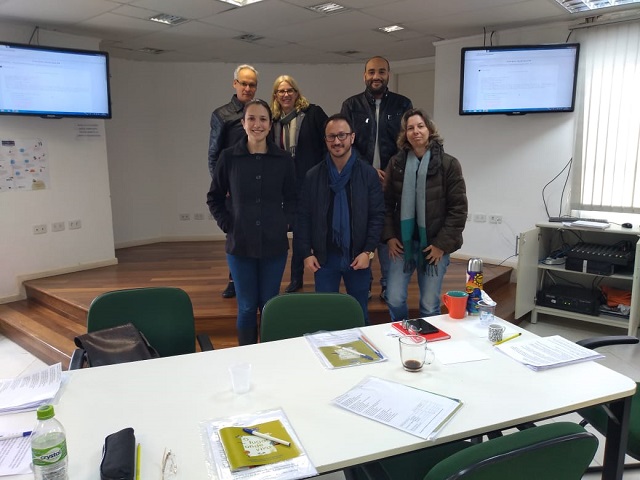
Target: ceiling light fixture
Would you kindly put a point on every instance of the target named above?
(151, 51)
(328, 8)
(241, 3)
(168, 19)
(577, 6)
(248, 37)
(390, 29)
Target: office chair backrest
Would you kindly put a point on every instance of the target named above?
(557, 451)
(163, 314)
(294, 314)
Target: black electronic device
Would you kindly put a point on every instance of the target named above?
(518, 79)
(627, 225)
(570, 298)
(54, 82)
(618, 254)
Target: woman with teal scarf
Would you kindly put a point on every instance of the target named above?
(426, 212)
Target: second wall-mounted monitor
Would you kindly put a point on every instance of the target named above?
(518, 79)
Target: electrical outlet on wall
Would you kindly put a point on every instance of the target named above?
(39, 229)
(479, 217)
(185, 217)
(57, 226)
(198, 216)
(75, 224)
(495, 218)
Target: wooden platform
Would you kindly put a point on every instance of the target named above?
(55, 311)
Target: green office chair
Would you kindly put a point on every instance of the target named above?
(556, 451)
(294, 314)
(598, 416)
(163, 314)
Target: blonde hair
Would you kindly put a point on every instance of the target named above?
(301, 103)
(434, 135)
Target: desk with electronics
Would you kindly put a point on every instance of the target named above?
(166, 400)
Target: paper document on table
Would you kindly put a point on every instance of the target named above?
(344, 348)
(587, 224)
(28, 392)
(548, 352)
(15, 455)
(409, 409)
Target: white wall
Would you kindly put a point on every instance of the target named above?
(159, 136)
(79, 189)
(506, 161)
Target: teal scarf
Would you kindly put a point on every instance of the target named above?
(413, 211)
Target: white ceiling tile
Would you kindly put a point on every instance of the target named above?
(192, 9)
(60, 11)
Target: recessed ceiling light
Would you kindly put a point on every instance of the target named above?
(248, 37)
(241, 3)
(390, 29)
(168, 19)
(577, 6)
(151, 51)
(328, 8)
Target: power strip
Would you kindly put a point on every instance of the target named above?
(554, 261)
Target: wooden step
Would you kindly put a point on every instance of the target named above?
(57, 307)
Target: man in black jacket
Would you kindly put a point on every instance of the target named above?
(375, 115)
(226, 127)
(341, 216)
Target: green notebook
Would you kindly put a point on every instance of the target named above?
(244, 450)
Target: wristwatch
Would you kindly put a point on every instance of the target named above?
(371, 255)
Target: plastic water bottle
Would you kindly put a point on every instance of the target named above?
(49, 447)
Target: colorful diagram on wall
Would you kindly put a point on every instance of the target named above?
(24, 165)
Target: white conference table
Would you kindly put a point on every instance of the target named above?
(165, 400)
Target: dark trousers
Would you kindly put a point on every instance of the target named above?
(355, 281)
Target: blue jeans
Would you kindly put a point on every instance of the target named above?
(257, 280)
(430, 286)
(356, 282)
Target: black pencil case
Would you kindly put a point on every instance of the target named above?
(119, 456)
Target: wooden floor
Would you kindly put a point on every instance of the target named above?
(55, 311)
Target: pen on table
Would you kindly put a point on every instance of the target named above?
(368, 342)
(355, 352)
(138, 462)
(508, 338)
(7, 436)
(253, 431)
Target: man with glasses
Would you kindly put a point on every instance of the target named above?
(341, 215)
(227, 130)
(376, 115)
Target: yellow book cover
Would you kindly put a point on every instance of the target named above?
(244, 450)
(348, 354)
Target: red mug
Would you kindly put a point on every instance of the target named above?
(456, 303)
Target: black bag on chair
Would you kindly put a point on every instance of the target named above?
(121, 344)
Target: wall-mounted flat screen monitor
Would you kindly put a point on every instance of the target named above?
(53, 82)
(518, 79)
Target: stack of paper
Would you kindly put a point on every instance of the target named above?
(548, 352)
(587, 224)
(28, 392)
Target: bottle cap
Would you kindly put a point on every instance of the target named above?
(45, 412)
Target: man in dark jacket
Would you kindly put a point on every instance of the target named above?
(375, 114)
(341, 215)
(226, 127)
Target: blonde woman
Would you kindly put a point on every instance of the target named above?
(298, 128)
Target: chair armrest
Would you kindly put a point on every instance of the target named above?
(596, 342)
(77, 359)
(204, 341)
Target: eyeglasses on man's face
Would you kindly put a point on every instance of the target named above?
(331, 137)
(252, 86)
(288, 91)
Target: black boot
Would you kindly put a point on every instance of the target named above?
(230, 291)
(247, 336)
(294, 286)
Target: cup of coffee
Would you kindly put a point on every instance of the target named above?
(495, 332)
(486, 312)
(456, 303)
(414, 353)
